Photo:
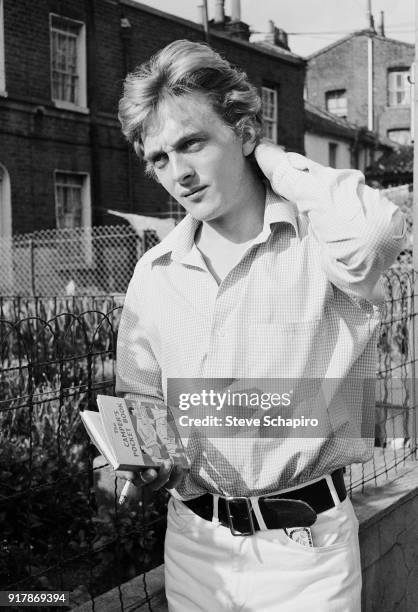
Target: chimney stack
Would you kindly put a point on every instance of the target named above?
(202, 11)
(270, 36)
(219, 11)
(235, 11)
(231, 25)
(382, 23)
(276, 36)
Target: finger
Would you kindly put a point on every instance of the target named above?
(176, 476)
(163, 475)
(268, 156)
(147, 476)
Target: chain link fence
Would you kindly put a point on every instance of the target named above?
(82, 261)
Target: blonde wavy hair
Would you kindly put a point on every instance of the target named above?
(181, 68)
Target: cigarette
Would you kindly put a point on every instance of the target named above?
(124, 494)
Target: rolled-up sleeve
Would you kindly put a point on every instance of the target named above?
(360, 232)
(138, 374)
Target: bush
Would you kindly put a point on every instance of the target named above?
(53, 534)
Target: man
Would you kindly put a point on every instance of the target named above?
(273, 274)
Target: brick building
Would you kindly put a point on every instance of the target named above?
(63, 161)
(335, 142)
(338, 82)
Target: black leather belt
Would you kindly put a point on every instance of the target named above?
(296, 508)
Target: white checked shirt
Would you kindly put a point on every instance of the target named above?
(303, 302)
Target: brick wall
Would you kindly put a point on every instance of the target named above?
(344, 66)
(38, 138)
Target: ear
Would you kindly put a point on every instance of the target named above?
(249, 140)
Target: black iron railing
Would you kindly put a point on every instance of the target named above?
(61, 526)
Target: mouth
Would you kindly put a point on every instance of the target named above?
(193, 192)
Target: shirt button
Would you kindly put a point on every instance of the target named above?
(221, 333)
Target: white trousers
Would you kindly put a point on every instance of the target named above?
(208, 569)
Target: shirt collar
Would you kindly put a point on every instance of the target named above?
(180, 240)
(277, 210)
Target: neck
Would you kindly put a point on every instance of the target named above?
(245, 221)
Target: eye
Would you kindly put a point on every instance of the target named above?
(193, 144)
(159, 161)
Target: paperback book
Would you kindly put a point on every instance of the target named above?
(131, 434)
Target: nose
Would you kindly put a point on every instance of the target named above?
(183, 171)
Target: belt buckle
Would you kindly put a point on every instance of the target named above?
(235, 532)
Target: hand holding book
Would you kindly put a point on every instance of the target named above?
(140, 440)
(167, 475)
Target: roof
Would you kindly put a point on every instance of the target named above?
(263, 48)
(275, 50)
(323, 122)
(366, 32)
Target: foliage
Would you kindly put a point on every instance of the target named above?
(394, 167)
(53, 534)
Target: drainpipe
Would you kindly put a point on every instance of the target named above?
(370, 82)
(126, 35)
(97, 203)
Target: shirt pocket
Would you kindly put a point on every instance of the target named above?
(293, 357)
(283, 349)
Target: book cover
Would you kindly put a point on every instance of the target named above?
(132, 434)
(156, 427)
(120, 431)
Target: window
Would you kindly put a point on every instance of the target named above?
(5, 204)
(269, 109)
(399, 89)
(401, 136)
(72, 200)
(332, 154)
(354, 157)
(6, 247)
(336, 102)
(2, 60)
(68, 62)
(73, 215)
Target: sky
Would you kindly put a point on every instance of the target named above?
(311, 24)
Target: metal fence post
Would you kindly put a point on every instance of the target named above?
(32, 265)
(415, 239)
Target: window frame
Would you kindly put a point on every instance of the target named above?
(271, 120)
(399, 130)
(338, 94)
(85, 196)
(332, 154)
(3, 91)
(393, 91)
(86, 211)
(80, 104)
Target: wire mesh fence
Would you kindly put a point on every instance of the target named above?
(82, 261)
(396, 389)
(61, 528)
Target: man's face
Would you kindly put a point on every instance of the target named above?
(196, 157)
